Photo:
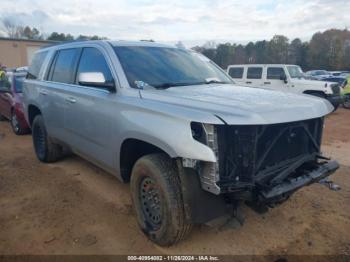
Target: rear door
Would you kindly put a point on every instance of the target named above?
(254, 76)
(59, 80)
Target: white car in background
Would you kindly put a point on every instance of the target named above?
(286, 78)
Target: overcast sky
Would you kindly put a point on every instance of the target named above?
(191, 21)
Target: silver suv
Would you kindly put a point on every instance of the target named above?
(169, 121)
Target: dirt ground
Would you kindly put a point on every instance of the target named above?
(72, 207)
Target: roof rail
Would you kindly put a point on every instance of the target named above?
(67, 42)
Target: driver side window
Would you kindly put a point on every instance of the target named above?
(92, 60)
(275, 73)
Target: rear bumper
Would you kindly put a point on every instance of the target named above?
(275, 194)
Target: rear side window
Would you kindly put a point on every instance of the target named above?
(254, 73)
(35, 66)
(236, 72)
(92, 60)
(275, 73)
(63, 65)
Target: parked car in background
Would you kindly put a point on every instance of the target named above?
(342, 81)
(317, 74)
(285, 78)
(172, 123)
(335, 73)
(11, 105)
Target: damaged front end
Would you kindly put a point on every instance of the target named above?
(261, 164)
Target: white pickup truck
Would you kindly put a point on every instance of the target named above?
(287, 78)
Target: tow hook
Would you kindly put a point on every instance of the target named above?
(330, 184)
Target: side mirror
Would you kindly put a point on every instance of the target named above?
(284, 79)
(95, 79)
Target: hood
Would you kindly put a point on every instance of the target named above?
(239, 105)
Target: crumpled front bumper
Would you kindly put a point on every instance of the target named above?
(286, 188)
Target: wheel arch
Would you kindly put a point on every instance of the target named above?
(133, 149)
(315, 93)
(33, 111)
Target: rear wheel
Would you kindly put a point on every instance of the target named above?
(45, 149)
(157, 198)
(16, 126)
(2, 118)
(346, 103)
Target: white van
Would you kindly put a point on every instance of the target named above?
(286, 78)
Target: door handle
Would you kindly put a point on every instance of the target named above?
(248, 82)
(43, 92)
(71, 100)
(267, 83)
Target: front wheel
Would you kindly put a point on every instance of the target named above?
(157, 198)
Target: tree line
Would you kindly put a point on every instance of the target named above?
(328, 50)
(14, 30)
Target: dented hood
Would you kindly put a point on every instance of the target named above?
(238, 105)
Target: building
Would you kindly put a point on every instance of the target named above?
(19, 52)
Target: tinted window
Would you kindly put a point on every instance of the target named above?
(236, 72)
(254, 73)
(35, 66)
(64, 66)
(162, 67)
(19, 83)
(92, 60)
(275, 73)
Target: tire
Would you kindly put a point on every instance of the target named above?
(16, 127)
(335, 107)
(45, 149)
(157, 198)
(346, 103)
(2, 118)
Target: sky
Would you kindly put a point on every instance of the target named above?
(191, 21)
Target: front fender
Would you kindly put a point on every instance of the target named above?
(171, 134)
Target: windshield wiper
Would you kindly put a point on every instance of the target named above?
(207, 82)
(167, 85)
(214, 81)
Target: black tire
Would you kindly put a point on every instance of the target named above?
(335, 107)
(346, 103)
(16, 127)
(2, 118)
(45, 149)
(155, 181)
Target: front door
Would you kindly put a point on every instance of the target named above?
(88, 111)
(276, 79)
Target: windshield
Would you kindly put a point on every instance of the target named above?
(161, 67)
(19, 83)
(295, 72)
